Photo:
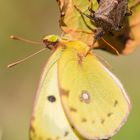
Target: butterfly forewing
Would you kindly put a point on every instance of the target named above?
(93, 98)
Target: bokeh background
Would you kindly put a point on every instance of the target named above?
(33, 19)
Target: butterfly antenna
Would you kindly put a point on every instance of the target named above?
(24, 59)
(25, 40)
(110, 46)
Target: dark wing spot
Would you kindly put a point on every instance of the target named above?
(109, 114)
(72, 127)
(102, 121)
(115, 103)
(66, 133)
(64, 92)
(73, 109)
(84, 120)
(51, 98)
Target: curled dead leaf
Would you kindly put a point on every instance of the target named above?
(74, 25)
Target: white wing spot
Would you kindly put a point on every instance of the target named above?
(85, 97)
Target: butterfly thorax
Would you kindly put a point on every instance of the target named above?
(110, 15)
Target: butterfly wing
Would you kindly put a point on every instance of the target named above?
(93, 98)
(48, 120)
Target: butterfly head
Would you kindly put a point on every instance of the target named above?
(51, 41)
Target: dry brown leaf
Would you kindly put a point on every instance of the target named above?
(74, 25)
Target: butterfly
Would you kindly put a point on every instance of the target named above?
(78, 98)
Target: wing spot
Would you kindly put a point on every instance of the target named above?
(64, 92)
(84, 120)
(115, 103)
(73, 109)
(51, 98)
(85, 97)
(72, 127)
(102, 121)
(109, 114)
(66, 133)
(93, 121)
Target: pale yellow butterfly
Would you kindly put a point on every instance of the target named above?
(93, 105)
(94, 100)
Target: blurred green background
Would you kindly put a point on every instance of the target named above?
(33, 19)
